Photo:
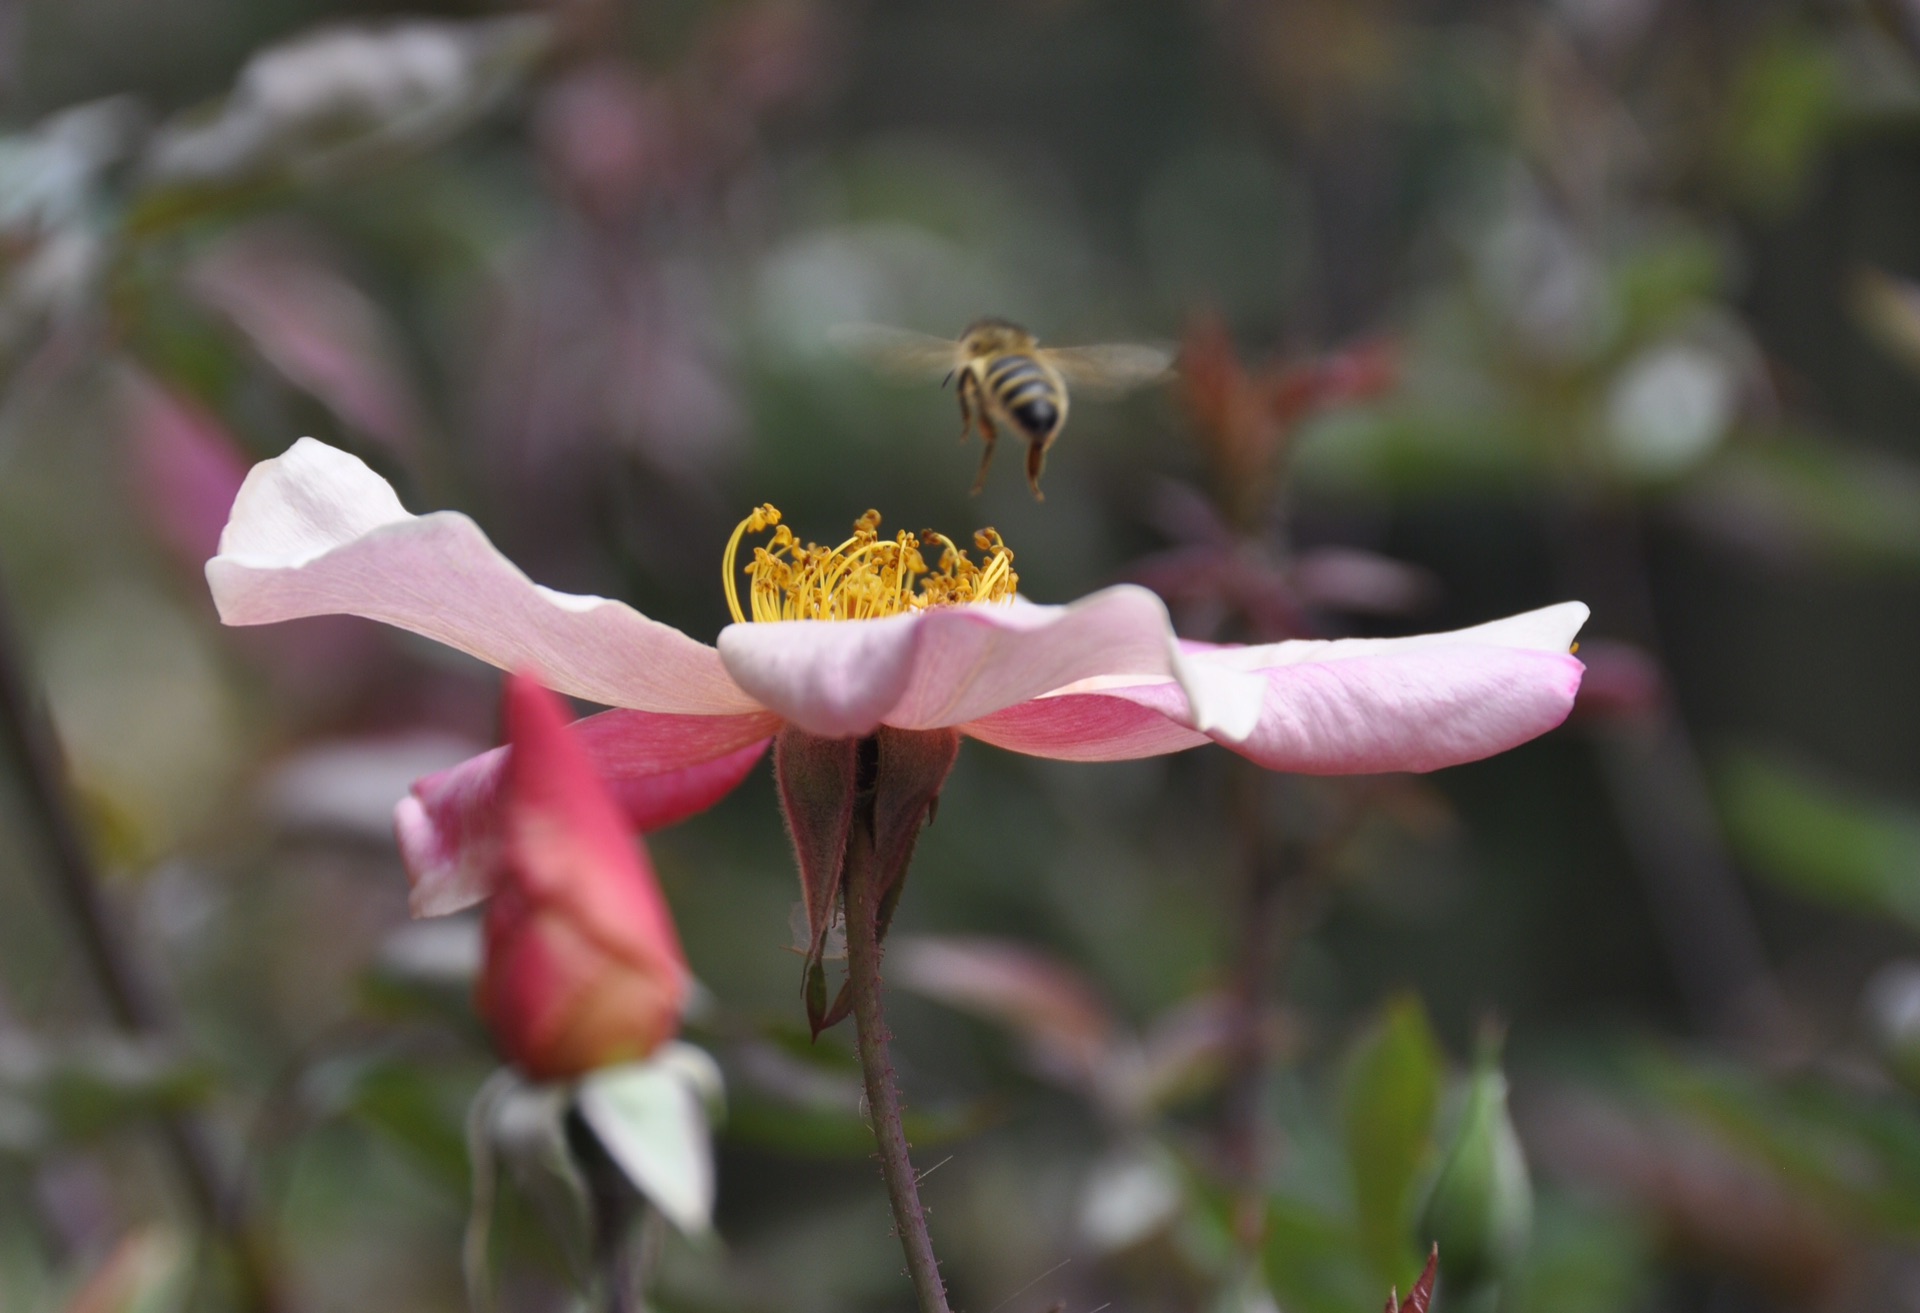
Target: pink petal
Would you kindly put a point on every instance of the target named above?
(1091, 727)
(1409, 710)
(659, 769)
(950, 665)
(310, 322)
(1351, 706)
(315, 532)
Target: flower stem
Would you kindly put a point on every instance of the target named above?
(28, 744)
(883, 1095)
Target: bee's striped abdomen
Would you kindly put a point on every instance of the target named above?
(1027, 393)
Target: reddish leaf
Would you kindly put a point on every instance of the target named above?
(1422, 1293)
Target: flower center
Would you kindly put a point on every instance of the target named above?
(865, 577)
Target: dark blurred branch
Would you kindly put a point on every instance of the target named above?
(10, 25)
(1902, 19)
(28, 741)
(1282, 899)
(1245, 1138)
(1700, 909)
(1659, 790)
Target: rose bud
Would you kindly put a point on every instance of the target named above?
(582, 966)
(1480, 1212)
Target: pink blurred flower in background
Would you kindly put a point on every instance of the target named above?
(1104, 679)
(582, 967)
(184, 470)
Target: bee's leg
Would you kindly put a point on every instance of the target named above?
(967, 385)
(990, 435)
(1036, 462)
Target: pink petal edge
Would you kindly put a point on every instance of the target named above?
(1351, 706)
(315, 532)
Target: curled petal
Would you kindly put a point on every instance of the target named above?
(949, 665)
(315, 532)
(659, 770)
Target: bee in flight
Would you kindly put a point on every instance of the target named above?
(1008, 378)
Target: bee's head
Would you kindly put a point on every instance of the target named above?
(986, 337)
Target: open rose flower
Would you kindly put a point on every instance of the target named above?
(838, 643)
(582, 968)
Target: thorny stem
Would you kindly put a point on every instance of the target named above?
(27, 740)
(876, 1064)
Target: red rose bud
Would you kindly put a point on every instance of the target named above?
(583, 968)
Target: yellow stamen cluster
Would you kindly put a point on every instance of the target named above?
(865, 577)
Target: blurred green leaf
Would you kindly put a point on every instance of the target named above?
(80, 1089)
(408, 1104)
(1314, 1261)
(1402, 447)
(1664, 279)
(1391, 1096)
(1785, 96)
(1855, 1153)
(1788, 494)
(525, 1127)
(419, 1107)
(1583, 1259)
(1815, 837)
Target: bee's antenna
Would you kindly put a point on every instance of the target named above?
(948, 379)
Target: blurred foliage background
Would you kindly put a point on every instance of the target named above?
(1484, 305)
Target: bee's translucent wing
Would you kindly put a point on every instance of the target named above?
(1114, 367)
(897, 351)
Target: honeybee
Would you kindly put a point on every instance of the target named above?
(1007, 376)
